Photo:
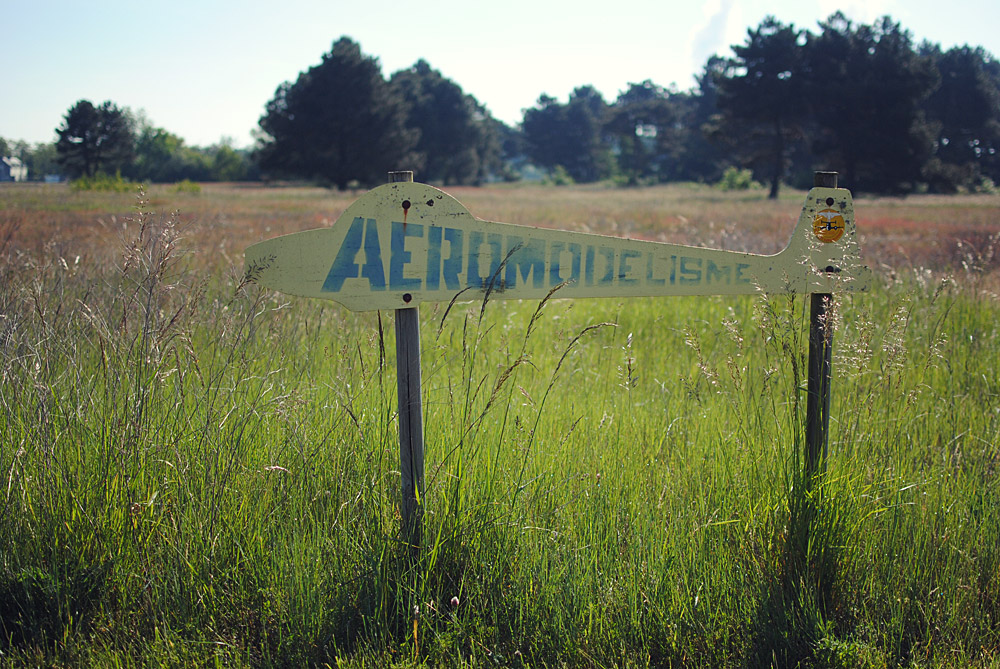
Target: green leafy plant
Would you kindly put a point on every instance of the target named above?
(559, 176)
(734, 178)
(105, 183)
(187, 186)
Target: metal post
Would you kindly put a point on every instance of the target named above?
(411, 423)
(820, 368)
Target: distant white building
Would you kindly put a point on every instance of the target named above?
(12, 169)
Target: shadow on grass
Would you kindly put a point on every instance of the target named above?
(800, 598)
(38, 607)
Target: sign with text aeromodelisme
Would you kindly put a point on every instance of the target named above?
(406, 243)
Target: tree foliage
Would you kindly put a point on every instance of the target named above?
(702, 157)
(570, 135)
(159, 156)
(339, 122)
(42, 160)
(95, 139)
(645, 124)
(458, 141)
(762, 99)
(859, 99)
(163, 157)
(964, 111)
(855, 98)
(868, 85)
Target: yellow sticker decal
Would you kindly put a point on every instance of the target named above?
(828, 225)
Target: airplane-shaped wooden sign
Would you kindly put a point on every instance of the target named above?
(406, 243)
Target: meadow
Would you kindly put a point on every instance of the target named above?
(196, 471)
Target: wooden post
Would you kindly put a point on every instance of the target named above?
(411, 422)
(820, 368)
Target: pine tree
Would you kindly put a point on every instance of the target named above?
(762, 98)
(339, 122)
(95, 139)
(867, 87)
(458, 144)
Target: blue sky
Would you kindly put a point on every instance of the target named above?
(204, 69)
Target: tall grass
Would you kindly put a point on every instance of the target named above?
(198, 471)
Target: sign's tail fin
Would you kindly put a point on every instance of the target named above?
(825, 241)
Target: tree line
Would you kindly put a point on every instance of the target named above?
(890, 116)
(112, 140)
(862, 99)
(858, 99)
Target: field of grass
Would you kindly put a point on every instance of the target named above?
(196, 471)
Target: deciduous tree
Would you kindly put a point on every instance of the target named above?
(42, 160)
(158, 155)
